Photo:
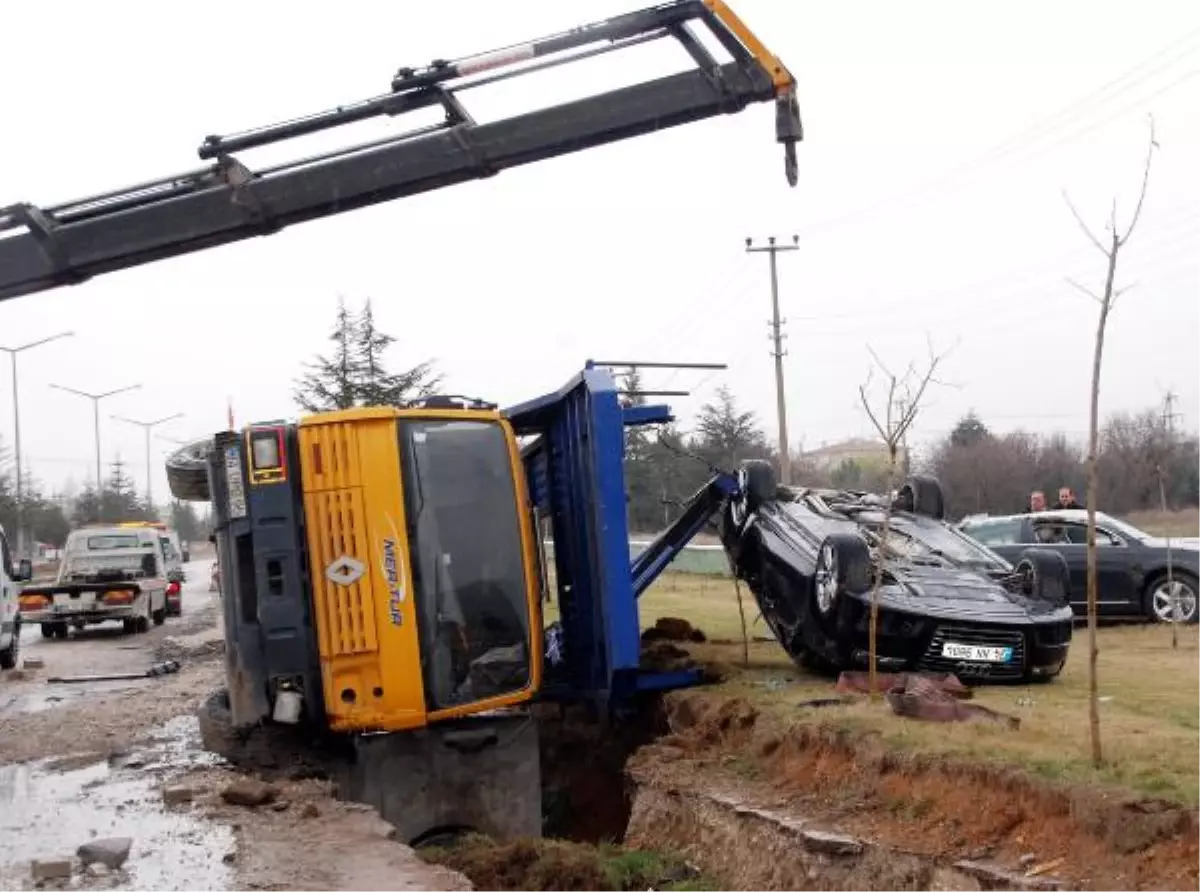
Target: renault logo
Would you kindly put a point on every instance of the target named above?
(345, 571)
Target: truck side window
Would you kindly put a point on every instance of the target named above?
(7, 556)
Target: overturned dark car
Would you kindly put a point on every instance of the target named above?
(946, 603)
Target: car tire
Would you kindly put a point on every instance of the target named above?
(1156, 597)
(1044, 576)
(843, 566)
(926, 495)
(187, 471)
(756, 479)
(10, 654)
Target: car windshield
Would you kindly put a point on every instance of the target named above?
(1121, 527)
(914, 539)
(107, 543)
(469, 574)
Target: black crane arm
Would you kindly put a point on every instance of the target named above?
(43, 248)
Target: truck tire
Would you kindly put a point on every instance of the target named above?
(187, 471)
(266, 749)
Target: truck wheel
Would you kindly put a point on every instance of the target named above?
(1043, 575)
(159, 616)
(187, 471)
(264, 748)
(8, 656)
(47, 630)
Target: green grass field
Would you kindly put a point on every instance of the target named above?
(1150, 697)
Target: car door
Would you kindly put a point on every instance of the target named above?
(1069, 538)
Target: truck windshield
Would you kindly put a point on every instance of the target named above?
(468, 565)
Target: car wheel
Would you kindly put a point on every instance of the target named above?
(924, 495)
(843, 565)
(756, 480)
(10, 654)
(1161, 598)
(1043, 575)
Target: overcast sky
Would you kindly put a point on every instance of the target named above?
(939, 138)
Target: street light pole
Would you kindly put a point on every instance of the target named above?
(95, 398)
(22, 550)
(147, 426)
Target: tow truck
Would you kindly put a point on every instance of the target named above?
(381, 566)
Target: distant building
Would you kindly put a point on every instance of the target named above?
(862, 451)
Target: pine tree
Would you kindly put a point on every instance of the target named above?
(375, 386)
(355, 374)
(330, 381)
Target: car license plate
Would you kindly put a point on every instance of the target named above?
(977, 652)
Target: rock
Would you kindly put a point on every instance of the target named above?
(830, 843)
(229, 857)
(111, 851)
(1027, 859)
(249, 793)
(51, 869)
(16, 675)
(992, 876)
(178, 795)
(280, 805)
(310, 811)
(98, 869)
(33, 663)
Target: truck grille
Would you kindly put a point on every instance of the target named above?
(933, 661)
(346, 619)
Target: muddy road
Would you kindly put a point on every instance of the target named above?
(115, 770)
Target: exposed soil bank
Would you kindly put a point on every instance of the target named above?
(755, 805)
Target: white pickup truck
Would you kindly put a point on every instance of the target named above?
(107, 573)
(10, 618)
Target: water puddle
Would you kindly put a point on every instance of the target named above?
(47, 813)
(51, 696)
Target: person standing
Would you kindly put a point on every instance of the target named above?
(1067, 500)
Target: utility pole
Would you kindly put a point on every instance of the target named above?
(1169, 415)
(148, 426)
(22, 544)
(95, 398)
(771, 249)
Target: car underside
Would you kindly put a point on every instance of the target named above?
(815, 560)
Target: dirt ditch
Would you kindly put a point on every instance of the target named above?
(728, 785)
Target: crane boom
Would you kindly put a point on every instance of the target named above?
(226, 201)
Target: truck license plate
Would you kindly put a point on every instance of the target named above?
(977, 652)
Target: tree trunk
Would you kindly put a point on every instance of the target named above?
(873, 624)
(1092, 495)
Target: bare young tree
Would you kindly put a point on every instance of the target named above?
(901, 401)
(1110, 246)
